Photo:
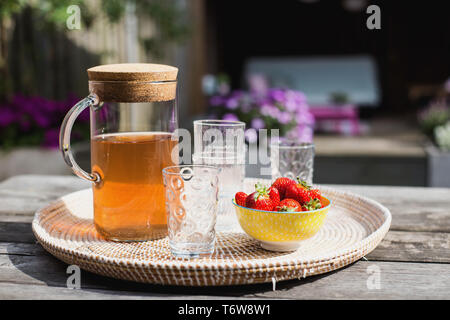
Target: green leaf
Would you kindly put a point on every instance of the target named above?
(114, 9)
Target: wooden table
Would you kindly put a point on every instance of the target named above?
(412, 262)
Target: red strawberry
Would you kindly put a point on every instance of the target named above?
(264, 204)
(281, 184)
(315, 194)
(313, 204)
(255, 201)
(289, 205)
(303, 195)
(297, 193)
(259, 199)
(322, 201)
(274, 195)
(240, 198)
(303, 184)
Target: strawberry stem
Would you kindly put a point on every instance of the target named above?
(303, 183)
(261, 189)
(313, 204)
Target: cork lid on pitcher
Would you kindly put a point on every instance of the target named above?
(133, 82)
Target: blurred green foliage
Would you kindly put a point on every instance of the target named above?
(9, 7)
(168, 17)
(442, 136)
(435, 115)
(339, 97)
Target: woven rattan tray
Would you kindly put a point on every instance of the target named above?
(354, 227)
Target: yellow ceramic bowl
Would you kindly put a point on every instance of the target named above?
(281, 231)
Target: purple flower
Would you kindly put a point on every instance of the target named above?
(291, 105)
(284, 117)
(287, 107)
(37, 116)
(216, 101)
(84, 116)
(259, 99)
(305, 118)
(7, 117)
(230, 117)
(269, 110)
(297, 96)
(246, 108)
(277, 95)
(53, 106)
(434, 110)
(295, 101)
(265, 109)
(301, 133)
(275, 113)
(251, 135)
(305, 133)
(237, 94)
(258, 84)
(302, 107)
(257, 123)
(41, 120)
(232, 103)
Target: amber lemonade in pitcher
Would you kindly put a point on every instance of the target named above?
(129, 202)
(134, 121)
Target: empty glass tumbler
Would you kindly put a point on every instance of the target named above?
(221, 143)
(191, 194)
(292, 159)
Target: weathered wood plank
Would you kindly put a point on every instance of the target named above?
(16, 232)
(16, 218)
(9, 291)
(412, 208)
(40, 292)
(396, 281)
(45, 271)
(23, 195)
(22, 249)
(45, 184)
(413, 247)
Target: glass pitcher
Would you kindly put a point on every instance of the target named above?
(133, 116)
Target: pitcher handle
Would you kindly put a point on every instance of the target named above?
(64, 137)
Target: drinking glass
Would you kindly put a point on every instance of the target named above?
(191, 195)
(221, 143)
(292, 159)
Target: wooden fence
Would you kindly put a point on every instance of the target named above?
(52, 63)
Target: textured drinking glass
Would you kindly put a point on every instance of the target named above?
(191, 194)
(292, 159)
(221, 143)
